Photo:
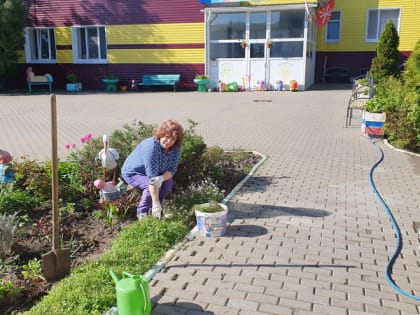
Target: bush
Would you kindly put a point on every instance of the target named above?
(389, 95)
(386, 62)
(182, 202)
(411, 111)
(190, 168)
(13, 200)
(12, 25)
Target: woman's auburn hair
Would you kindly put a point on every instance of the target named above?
(170, 128)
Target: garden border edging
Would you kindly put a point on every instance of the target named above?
(389, 145)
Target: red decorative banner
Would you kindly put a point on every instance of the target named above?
(323, 14)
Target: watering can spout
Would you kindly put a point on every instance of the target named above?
(114, 276)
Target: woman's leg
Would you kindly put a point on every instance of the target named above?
(141, 182)
(165, 189)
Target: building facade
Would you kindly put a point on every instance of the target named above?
(257, 44)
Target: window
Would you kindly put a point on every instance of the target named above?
(40, 45)
(333, 27)
(287, 49)
(226, 32)
(257, 25)
(224, 26)
(89, 44)
(377, 19)
(288, 24)
(226, 50)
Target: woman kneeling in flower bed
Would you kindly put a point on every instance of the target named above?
(152, 165)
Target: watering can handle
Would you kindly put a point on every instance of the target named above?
(142, 281)
(144, 296)
(127, 274)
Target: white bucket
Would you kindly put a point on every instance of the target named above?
(212, 224)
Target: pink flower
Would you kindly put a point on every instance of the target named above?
(86, 138)
(70, 146)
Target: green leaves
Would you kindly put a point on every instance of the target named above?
(12, 22)
(386, 61)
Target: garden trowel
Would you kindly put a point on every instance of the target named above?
(56, 263)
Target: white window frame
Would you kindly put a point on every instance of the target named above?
(29, 48)
(75, 31)
(396, 21)
(331, 20)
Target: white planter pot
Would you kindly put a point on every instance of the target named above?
(373, 123)
(212, 224)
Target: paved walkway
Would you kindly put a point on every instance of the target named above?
(307, 235)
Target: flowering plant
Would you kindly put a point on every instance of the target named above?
(86, 138)
(269, 43)
(201, 77)
(244, 43)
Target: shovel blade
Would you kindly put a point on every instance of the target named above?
(56, 264)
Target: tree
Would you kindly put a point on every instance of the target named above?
(12, 22)
(386, 62)
(411, 106)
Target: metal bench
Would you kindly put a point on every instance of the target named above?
(30, 84)
(360, 95)
(159, 79)
(336, 74)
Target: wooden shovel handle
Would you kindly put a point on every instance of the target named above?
(54, 168)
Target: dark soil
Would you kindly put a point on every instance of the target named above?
(87, 237)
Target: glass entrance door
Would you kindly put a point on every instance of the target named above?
(256, 57)
(256, 49)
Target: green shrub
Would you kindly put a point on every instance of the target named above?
(13, 200)
(35, 178)
(190, 168)
(411, 112)
(7, 290)
(389, 95)
(12, 25)
(181, 204)
(386, 62)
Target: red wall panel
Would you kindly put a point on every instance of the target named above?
(89, 12)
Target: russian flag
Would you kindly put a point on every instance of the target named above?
(373, 123)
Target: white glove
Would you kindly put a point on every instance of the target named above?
(156, 181)
(156, 209)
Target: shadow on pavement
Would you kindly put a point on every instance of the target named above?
(198, 266)
(247, 211)
(178, 308)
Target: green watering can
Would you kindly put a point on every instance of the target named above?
(133, 296)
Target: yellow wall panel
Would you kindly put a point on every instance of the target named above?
(179, 33)
(165, 56)
(354, 19)
(21, 56)
(63, 35)
(65, 56)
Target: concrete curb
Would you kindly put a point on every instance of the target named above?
(399, 150)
